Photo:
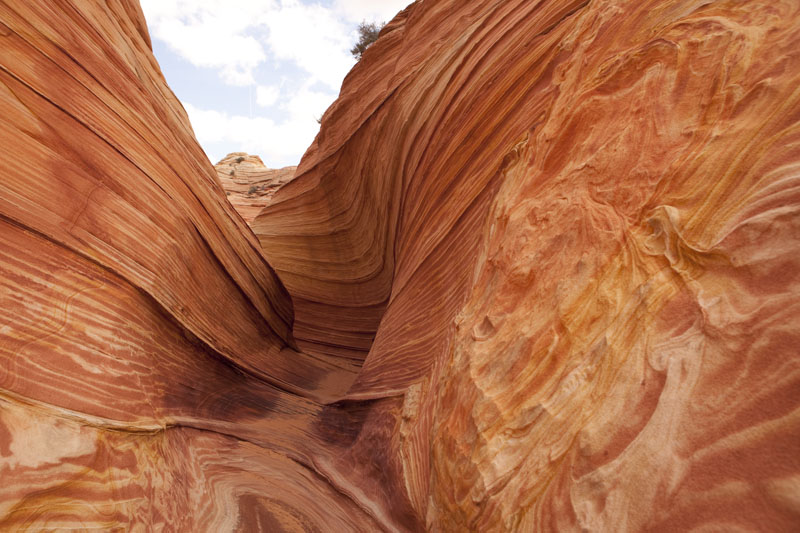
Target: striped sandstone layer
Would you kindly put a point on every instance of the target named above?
(538, 272)
(563, 238)
(149, 379)
(248, 183)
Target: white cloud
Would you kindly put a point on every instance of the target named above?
(312, 37)
(211, 33)
(308, 104)
(278, 143)
(370, 10)
(236, 36)
(241, 40)
(267, 95)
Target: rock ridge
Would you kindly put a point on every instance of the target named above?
(537, 272)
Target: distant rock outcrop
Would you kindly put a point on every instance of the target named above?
(539, 271)
(248, 183)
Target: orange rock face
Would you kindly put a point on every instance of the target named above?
(538, 272)
(248, 183)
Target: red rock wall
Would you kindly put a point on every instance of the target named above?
(571, 228)
(248, 183)
(542, 253)
(148, 375)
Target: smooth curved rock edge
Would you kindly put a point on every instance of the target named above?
(538, 272)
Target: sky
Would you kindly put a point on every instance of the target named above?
(255, 75)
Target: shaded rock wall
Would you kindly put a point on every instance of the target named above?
(538, 272)
(148, 375)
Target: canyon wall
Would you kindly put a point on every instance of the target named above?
(537, 272)
(248, 183)
(149, 379)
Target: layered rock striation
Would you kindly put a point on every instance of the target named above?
(537, 272)
(248, 183)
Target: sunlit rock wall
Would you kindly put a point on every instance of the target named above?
(248, 183)
(538, 272)
(572, 230)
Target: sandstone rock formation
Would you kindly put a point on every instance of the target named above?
(248, 183)
(538, 272)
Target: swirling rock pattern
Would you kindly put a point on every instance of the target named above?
(149, 376)
(538, 272)
(248, 183)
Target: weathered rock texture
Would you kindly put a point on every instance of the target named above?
(538, 272)
(248, 183)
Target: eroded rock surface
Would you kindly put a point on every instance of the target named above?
(248, 183)
(538, 272)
